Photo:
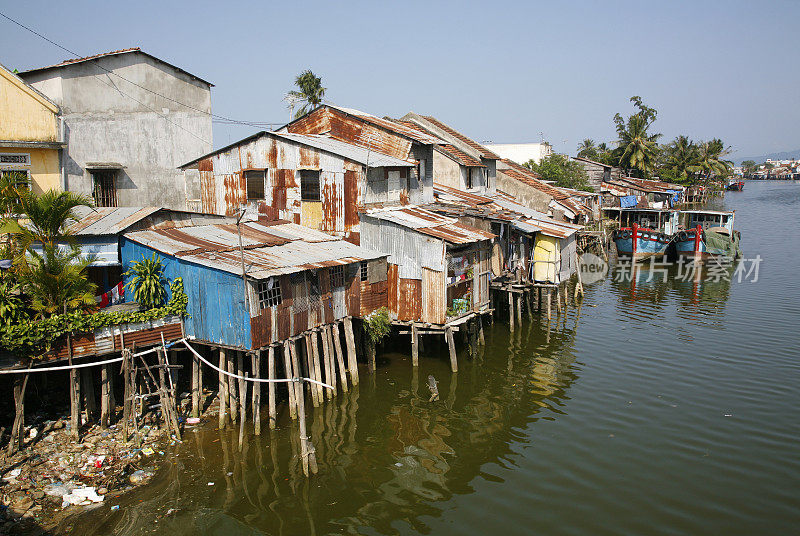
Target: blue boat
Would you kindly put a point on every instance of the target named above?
(643, 233)
(707, 234)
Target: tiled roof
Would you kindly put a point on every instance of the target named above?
(484, 152)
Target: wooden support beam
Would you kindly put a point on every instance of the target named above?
(17, 439)
(273, 411)
(127, 391)
(350, 340)
(314, 370)
(451, 345)
(333, 335)
(414, 346)
(195, 386)
(287, 364)
(549, 301)
(519, 309)
(233, 399)
(481, 338)
(106, 395)
(299, 395)
(222, 392)
(242, 402)
(510, 310)
(74, 394)
(308, 454)
(330, 367)
(255, 359)
(89, 399)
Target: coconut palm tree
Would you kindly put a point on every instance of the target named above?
(637, 149)
(680, 155)
(310, 93)
(587, 149)
(711, 160)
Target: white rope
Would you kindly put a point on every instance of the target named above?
(81, 365)
(246, 378)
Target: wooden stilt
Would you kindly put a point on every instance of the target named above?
(318, 365)
(74, 394)
(313, 368)
(256, 365)
(195, 386)
(223, 388)
(242, 401)
(333, 334)
(558, 299)
(127, 391)
(519, 309)
(351, 350)
(451, 345)
(273, 411)
(200, 382)
(17, 440)
(287, 363)
(297, 373)
(330, 368)
(308, 455)
(510, 309)
(233, 399)
(549, 301)
(168, 411)
(481, 338)
(414, 345)
(106, 390)
(529, 305)
(371, 350)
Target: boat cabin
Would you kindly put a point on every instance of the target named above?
(662, 220)
(689, 219)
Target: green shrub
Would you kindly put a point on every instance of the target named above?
(148, 282)
(378, 324)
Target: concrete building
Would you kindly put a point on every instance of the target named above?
(521, 152)
(130, 120)
(30, 135)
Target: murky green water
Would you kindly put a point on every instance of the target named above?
(655, 408)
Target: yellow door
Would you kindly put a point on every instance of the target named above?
(545, 258)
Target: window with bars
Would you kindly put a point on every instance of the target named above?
(309, 185)
(337, 276)
(269, 293)
(364, 270)
(255, 184)
(104, 189)
(20, 178)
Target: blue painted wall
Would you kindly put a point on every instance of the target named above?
(216, 310)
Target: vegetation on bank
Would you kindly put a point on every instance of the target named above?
(565, 173)
(45, 291)
(637, 151)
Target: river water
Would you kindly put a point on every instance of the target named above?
(654, 408)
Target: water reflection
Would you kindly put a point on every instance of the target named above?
(386, 454)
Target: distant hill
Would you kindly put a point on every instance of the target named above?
(785, 155)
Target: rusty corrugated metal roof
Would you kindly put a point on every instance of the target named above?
(430, 223)
(392, 125)
(356, 153)
(107, 220)
(269, 250)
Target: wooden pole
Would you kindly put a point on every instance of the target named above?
(256, 364)
(17, 440)
(242, 402)
(273, 412)
(519, 309)
(333, 334)
(549, 300)
(233, 400)
(330, 367)
(127, 391)
(74, 394)
(414, 345)
(222, 393)
(296, 373)
(287, 364)
(313, 370)
(319, 364)
(481, 338)
(195, 386)
(351, 350)
(451, 345)
(510, 309)
(106, 388)
(558, 299)
(307, 454)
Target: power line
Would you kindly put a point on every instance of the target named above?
(220, 118)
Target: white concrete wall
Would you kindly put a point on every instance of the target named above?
(521, 152)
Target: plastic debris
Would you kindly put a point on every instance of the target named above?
(81, 496)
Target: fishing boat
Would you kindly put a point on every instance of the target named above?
(707, 235)
(735, 185)
(644, 233)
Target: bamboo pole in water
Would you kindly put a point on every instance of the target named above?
(222, 392)
(333, 335)
(351, 350)
(287, 363)
(273, 412)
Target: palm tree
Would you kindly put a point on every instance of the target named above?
(711, 160)
(56, 281)
(47, 216)
(680, 155)
(637, 149)
(310, 94)
(587, 149)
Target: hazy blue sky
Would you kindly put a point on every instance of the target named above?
(500, 71)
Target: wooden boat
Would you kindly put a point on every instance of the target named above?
(707, 235)
(644, 233)
(735, 186)
(640, 242)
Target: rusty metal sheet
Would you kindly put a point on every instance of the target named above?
(459, 156)
(484, 152)
(107, 220)
(409, 294)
